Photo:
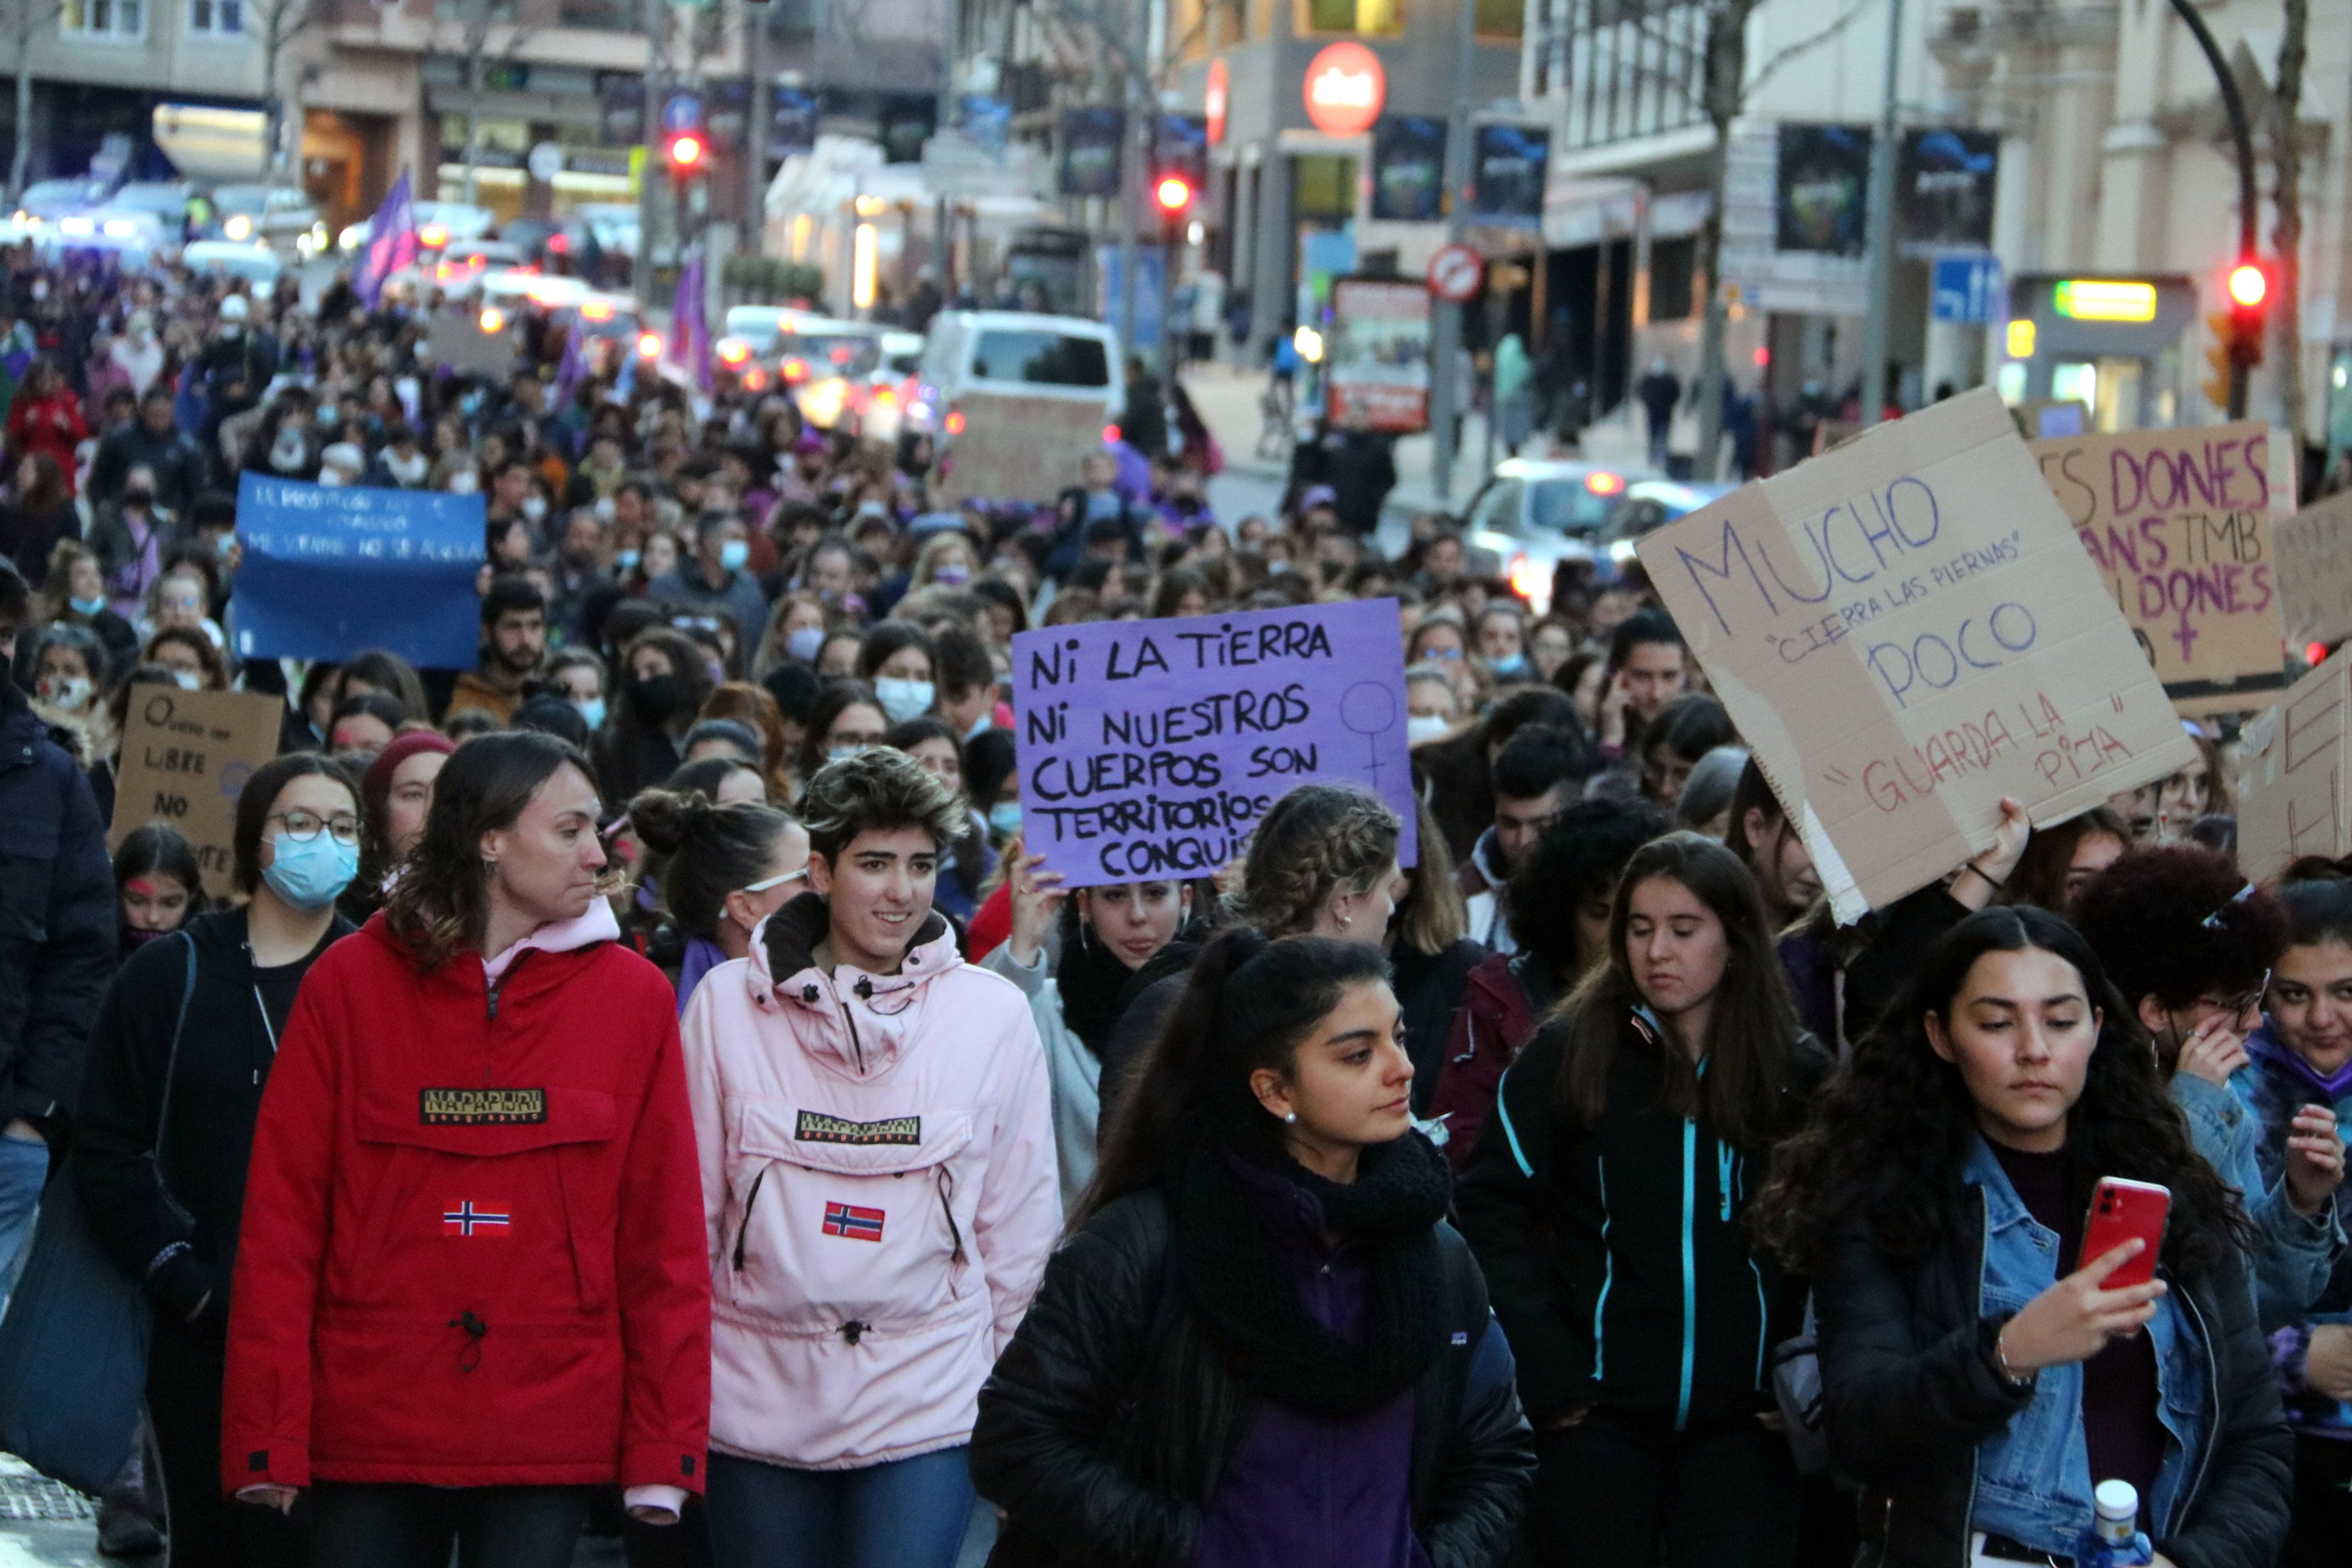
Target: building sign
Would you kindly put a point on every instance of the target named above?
(1345, 89)
(1092, 143)
(1507, 165)
(1943, 183)
(1823, 188)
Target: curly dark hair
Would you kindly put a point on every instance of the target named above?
(1576, 863)
(1890, 1133)
(2178, 922)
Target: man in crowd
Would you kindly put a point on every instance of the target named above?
(1649, 667)
(715, 582)
(514, 641)
(1540, 772)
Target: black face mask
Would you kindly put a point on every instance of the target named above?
(657, 699)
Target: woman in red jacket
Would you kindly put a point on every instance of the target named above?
(447, 1323)
(46, 418)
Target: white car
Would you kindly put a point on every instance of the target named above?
(139, 238)
(45, 201)
(256, 264)
(1014, 351)
(1535, 513)
(440, 224)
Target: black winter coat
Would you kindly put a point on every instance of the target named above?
(1109, 1418)
(1910, 1388)
(56, 914)
(137, 1208)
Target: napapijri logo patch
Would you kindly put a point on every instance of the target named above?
(481, 1107)
(817, 1127)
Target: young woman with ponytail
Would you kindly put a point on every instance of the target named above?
(1260, 1346)
(725, 868)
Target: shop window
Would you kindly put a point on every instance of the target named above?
(121, 20)
(1501, 18)
(1323, 185)
(1673, 270)
(1378, 17)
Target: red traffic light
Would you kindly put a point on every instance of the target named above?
(687, 153)
(1173, 193)
(2250, 285)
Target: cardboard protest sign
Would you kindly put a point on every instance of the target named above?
(331, 569)
(2180, 522)
(1013, 448)
(1905, 630)
(2295, 763)
(2315, 571)
(455, 341)
(185, 758)
(1149, 750)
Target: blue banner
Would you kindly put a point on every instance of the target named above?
(329, 570)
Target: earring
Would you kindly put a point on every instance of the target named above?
(1291, 1118)
(1347, 921)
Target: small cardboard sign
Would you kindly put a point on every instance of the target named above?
(1016, 448)
(1149, 750)
(185, 758)
(2180, 523)
(1905, 630)
(2295, 763)
(2314, 571)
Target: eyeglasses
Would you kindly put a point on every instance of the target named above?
(762, 886)
(2238, 1006)
(302, 827)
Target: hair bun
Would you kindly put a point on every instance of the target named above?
(664, 819)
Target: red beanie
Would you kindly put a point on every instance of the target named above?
(375, 789)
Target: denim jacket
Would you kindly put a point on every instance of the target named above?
(2292, 1255)
(2034, 1478)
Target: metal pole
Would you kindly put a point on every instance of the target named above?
(755, 143)
(641, 266)
(1133, 155)
(1445, 325)
(942, 213)
(1880, 253)
(2234, 107)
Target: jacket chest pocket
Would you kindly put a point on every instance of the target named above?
(503, 1194)
(834, 1222)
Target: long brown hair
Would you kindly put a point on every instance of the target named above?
(1752, 1027)
(441, 903)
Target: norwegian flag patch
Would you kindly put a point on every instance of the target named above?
(470, 1218)
(857, 1224)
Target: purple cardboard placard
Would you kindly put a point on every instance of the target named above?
(1149, 750)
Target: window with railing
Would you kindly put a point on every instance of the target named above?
(1625, 68)
(119, 20)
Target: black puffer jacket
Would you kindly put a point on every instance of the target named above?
(1910, 1388)
(1109, 1418)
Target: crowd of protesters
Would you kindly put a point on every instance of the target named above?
(644, 1082)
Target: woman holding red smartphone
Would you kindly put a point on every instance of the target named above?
(1979, 1373)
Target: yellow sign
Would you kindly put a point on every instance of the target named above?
(2101, 299)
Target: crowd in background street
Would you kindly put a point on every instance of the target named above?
(644, 1082)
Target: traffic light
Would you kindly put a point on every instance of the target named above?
(1174, 195)
(2250, 292)
(2217, 358)
(687, 153)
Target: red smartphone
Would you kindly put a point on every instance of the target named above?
(2122, 1209)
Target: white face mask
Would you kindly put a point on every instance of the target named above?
(408, 471)
(1424, 727)
(189, 680)
(534, 507)
(903, 699)
(67, 691)
(463, 482)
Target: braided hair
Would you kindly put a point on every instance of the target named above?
(1318, 839)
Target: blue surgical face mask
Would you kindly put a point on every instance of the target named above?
(626, 559)
(732, 554)
(903, 699)
(593, 711)
(805, 643)
(840, 753)
(1004, 817)
(88, 607)
(1509, 668)
(313, 875)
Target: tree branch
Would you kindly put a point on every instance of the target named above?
(1783, 55)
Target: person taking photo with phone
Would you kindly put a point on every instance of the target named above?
(1977, 1377)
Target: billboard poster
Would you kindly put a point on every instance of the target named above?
(1376, 355)
(1507, 164)
(1091, 141)
(1944, 188)
(1409, 168)
(1822, 190)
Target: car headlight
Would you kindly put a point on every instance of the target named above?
(77, 227)
(1621, 550)
(121, 228)
(237, 226)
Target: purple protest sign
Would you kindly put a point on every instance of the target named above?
(1149, 750)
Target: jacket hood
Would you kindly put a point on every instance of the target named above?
(562, 936)
(783, 978)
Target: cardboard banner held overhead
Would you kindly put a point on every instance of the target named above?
(2295, 760)
(185, 758)
(1150, 750)
(1905, 630)
(2314, 571)
(2180, 522)
(1011, 447)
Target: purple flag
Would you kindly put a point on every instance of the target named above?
(690, 335)
(573, 367)
(391, 243)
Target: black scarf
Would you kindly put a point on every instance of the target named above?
(1246, 1303)
(1092, 982)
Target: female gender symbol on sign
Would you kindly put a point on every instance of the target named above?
(1369, 708)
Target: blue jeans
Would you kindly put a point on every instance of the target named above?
(24, 1166)
(909, 1513)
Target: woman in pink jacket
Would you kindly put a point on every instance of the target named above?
(878, 1189)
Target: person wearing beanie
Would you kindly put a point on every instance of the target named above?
(395, 793)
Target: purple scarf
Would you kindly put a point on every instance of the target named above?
(2274, 1053)
(702, 956)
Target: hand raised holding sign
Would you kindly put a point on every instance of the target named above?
(1036, 903)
